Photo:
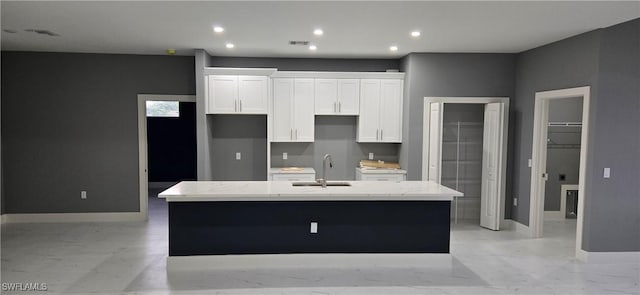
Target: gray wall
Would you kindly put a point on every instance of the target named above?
(448, 74)
(307, 64)
(609, 61)
(203, 165)
(613, 206)
(568, 63)
(335, 135)
(69, 123)
(230, 134)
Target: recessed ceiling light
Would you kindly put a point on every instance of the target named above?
(230, 45)
(393, 48)
(415, 34)
(218, 29)
(318, 32)
(313, 47)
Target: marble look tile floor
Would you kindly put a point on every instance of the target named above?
(130, 258)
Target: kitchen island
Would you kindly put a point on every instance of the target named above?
(268, 217)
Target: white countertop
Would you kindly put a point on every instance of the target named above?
(381, 170)
(195, 191)
(304, 170)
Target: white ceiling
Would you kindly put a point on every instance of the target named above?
(264, 28)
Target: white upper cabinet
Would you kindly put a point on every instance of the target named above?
(293, 110)
(237, 94)
(337, 96)
(380, 117)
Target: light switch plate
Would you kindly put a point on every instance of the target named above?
(515, 202)
(284, 156)
(607, 173)
(314, 227)
(83, 195)
(529, 163)
(370, 156)
(238, 156)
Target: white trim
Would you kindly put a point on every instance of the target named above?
(554, 215)
(539, 157)
(475, 100)
(323, 260)
(142, 143)
(611, 257)
(239, 71)
(518, 227)
(338, 75)
(74, 217)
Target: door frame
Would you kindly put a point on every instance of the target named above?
(469, 100)
(539, 159)
(143, 174)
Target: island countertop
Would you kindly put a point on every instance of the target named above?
(225, 191)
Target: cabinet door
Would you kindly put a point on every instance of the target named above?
(303, 110)
(391, 111)
(348, 96)
(282, 107)
(252, 94)
(222, 94)
(326, 94)
(368, 121)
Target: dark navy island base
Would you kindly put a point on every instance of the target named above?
(278, 227)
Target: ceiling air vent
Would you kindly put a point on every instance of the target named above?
(299, 43)
(43, 32)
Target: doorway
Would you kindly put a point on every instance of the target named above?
(539, 173)
(464, 148)
(162, 120)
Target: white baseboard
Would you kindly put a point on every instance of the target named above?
(553, 215)
(73, 217)
(329, 260)
(610, 257)
(510, 224)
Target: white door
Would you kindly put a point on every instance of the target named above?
(435, 140)
(326, 95)
(303, 116)
(391, 111)
(348, 96)
(368, 121)
(252, 94)
(491, 163)
(223, 94)
(282, 108)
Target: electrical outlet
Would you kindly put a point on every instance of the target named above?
(238, 156)
(284, 156)
(314, 227)
(529, 163)
(370, 156)
(515, 202)
(83, 195)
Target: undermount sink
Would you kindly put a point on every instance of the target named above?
(315, 183)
